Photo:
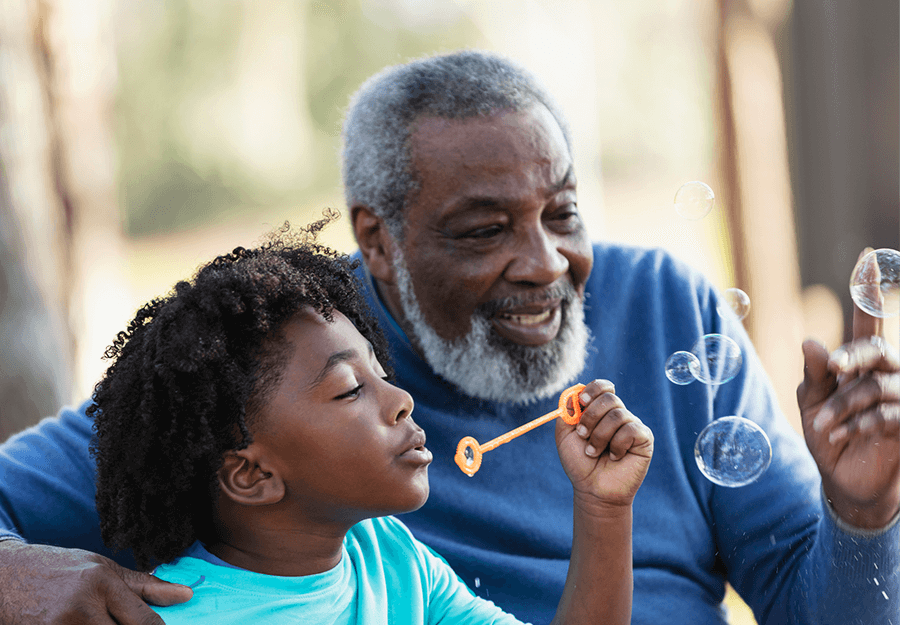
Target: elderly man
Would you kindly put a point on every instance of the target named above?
(462, 190)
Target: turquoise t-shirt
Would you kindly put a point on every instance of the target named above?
(385, 576)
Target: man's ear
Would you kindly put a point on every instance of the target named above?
(375, 243)
(245, 480)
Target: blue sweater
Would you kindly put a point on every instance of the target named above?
(507, 531)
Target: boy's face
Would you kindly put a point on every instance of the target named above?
(337, 432)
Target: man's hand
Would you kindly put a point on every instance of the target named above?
(607, 454)
(850, 408)
(42, 585)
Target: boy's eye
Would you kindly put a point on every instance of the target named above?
(351, 393)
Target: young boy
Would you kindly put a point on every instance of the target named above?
(249, 441)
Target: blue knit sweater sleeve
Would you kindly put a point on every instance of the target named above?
(47, 485)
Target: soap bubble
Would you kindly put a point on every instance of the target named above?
(735, 300)
(875, 283)
(681, 367)
(719, 359)
(694, 200)
(732, 451)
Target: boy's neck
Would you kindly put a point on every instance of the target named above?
(288, 551)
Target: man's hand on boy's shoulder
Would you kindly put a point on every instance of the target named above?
(42, 585)
(607, 454)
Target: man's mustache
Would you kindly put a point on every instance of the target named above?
(563, 291)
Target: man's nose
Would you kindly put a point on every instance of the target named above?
(537, 260)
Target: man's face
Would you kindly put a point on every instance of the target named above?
(495, 256)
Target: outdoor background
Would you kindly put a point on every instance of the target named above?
(140, 139)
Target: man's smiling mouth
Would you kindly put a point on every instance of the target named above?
(527, 319)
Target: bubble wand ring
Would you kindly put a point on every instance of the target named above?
(469, 451)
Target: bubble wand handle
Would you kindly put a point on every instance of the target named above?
(469, 451)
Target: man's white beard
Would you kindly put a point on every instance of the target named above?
(487, 366)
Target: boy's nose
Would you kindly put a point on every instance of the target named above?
(401, 402)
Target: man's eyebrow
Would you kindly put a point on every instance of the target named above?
(567, 179)
(476, 203)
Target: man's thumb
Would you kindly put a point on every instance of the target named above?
(154, 590)
(816, 377)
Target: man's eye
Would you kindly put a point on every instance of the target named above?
(351, 393)
(483, 233)
(567, 211)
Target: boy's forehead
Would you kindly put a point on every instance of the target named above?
(316, 340)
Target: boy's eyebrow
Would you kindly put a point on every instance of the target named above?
(335, 359)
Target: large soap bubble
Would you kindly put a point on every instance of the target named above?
(875, 283)
(732, 451)
(719, 358)
(694, 200)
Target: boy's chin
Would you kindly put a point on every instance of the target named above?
(417, 501)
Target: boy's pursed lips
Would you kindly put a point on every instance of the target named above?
(413, 448)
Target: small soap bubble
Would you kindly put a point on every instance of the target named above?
(477, 582)
(719, 359)
(875, 283)
(732, 451)
(681, 367)
(736, 301)
(694, 200)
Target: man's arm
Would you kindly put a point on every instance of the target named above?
(47, 498)
(788, 552)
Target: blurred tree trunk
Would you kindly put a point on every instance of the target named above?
(35, 345)
(759, 198)
(60, 234)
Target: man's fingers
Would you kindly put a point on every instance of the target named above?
(815, 362)
(883, 419)
(154, 590)
(871, 353)
(861, 394)
(818, 382)
(128, 608)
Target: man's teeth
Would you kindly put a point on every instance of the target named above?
(528, 320)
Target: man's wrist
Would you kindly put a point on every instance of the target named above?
(860, 520)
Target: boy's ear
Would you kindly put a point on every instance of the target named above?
(244, 479)
(375, 243)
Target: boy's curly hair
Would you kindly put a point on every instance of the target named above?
(190, 373)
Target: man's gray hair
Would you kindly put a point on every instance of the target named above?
(377, 168)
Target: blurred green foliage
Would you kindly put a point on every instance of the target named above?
(173, 54)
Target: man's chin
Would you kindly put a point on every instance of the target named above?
(489, 366)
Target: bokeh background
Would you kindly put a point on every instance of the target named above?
(140, 139)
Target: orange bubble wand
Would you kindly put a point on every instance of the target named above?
(469, 451)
